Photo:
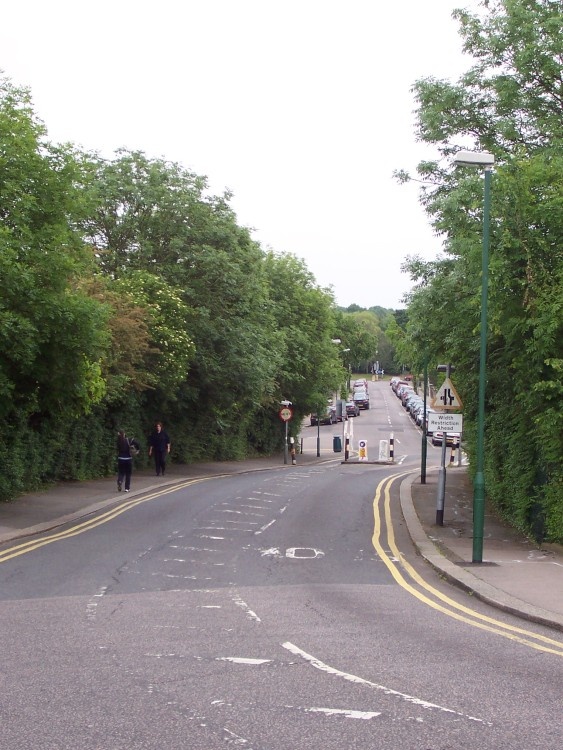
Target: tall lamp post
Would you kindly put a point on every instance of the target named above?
(483, 160)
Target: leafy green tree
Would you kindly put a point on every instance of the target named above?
(52, 334)
(309, 364)
(154, 217)
(510, 103)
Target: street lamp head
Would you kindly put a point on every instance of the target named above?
(474, 159)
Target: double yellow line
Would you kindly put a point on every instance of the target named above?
(98, 520)
(401, 570)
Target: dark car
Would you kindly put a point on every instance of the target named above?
(352, 409)
(329, 417)
(361, 399)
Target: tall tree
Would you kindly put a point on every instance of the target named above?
(510, 103)
(52, 334)
(154, 217)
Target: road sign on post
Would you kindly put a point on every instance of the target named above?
(447, 397)
(285, 414)
(443, 422)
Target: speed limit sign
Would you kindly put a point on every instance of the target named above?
(285, 414)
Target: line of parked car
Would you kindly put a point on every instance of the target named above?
(360, 394)
(353, 407)
(414, 406)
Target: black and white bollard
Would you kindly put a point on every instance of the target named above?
(441, 497)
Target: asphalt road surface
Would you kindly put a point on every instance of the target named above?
(276, 610)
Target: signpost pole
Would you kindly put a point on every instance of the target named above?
(285, 415)
(441, 499)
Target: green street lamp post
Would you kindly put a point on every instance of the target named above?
(424, 426)
(486, 161)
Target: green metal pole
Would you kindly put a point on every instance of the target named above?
(424, 440)
(479, 484)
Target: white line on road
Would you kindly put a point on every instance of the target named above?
(361, 681)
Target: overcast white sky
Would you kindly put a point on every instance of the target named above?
(302, 108)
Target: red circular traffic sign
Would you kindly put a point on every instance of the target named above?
(286, 413)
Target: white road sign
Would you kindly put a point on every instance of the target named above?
(445, 422)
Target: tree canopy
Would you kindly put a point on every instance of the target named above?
(509, 102)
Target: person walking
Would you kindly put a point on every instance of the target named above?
(159, 447)
(126, 448)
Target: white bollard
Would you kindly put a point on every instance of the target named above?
(383, 450)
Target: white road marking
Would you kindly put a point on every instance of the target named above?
(361, 681)
(302, 553)
(243, 605)
(205, 549)
(272, 552)
(227, 520)
(217, 528)
(92, 605)
(348, 713)
(255, 507)
(242, 660)
(266, 526)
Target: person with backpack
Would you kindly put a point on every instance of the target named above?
(159, 447)
(126, 449)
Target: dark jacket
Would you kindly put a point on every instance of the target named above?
(124, 447)
(159, 441)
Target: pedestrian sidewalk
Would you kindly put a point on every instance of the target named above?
(516, 575)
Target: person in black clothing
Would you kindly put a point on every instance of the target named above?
(159, 447)
(125, 459)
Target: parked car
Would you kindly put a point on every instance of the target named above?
(329, 417)
(401, 388)
(411, 401)
(360, 385)
(361, 398)
(398, 383)
(451, 437)
(406, 393)
(352, 409)
(414, 407)
(428, 412)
